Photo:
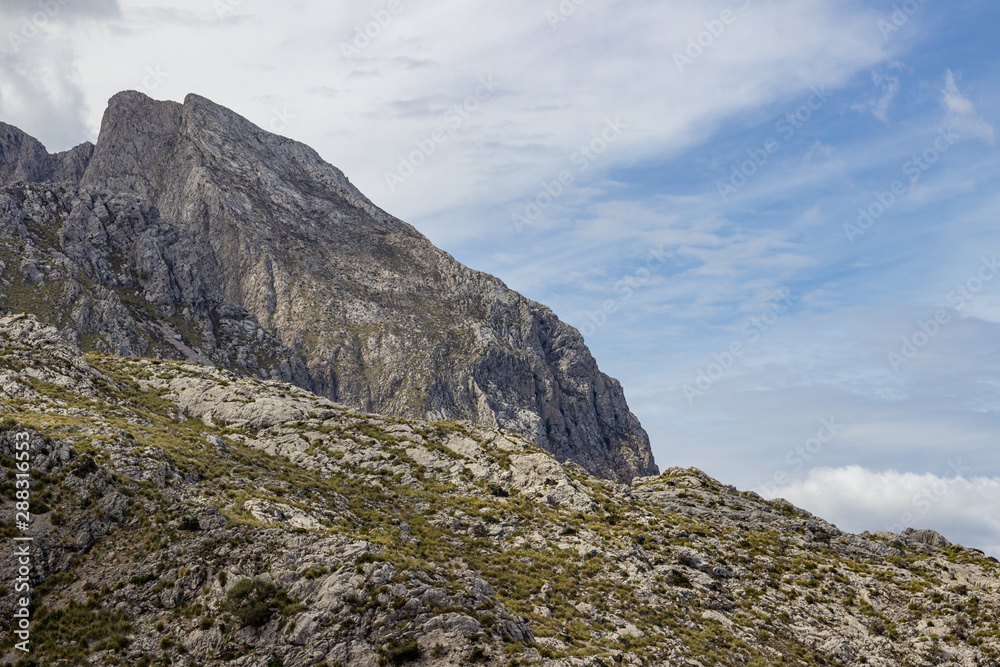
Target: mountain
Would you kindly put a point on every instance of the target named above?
(188, 233)
(189, 515)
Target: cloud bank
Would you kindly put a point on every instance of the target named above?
(956, 503)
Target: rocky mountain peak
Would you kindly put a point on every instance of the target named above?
(23, 158)
(135, 146)
(188, 232)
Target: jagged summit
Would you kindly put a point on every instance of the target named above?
(23, 158)
(188, 232)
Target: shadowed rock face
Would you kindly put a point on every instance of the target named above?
(193, 233)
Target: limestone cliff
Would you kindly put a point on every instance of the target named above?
(188, 232)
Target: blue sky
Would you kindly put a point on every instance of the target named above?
(460, 116)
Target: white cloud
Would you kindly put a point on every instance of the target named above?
(40, 91)
(888, 86)
(557, 86)
(953, 501)
(961, 113)
(805, 367)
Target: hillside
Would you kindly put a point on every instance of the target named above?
(189, 515)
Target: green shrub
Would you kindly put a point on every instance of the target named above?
(38, 508)
(402, 652)
(252, 601)
(91, 630)
(678, 578)
(141, 579)
(189, 523)
(367, 557)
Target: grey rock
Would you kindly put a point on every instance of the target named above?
(928, 537)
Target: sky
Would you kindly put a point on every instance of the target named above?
(774, 222)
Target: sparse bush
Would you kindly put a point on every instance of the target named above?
(402, 652)
(252, 601)
(189, 523)
(367, 557)
(499, 491)
(141, 579)
(678, 578)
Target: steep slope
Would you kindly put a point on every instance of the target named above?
(247, 249)
(184, 515)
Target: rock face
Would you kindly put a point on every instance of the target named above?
(187, 515)
(187, 232)
(23, 158)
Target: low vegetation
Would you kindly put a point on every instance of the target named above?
(201, 532)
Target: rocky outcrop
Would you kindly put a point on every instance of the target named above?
(112, 274)
(185, 515)
(194, 234)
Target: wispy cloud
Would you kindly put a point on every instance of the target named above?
(59, 11)
(888, 85)
(961, 113)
